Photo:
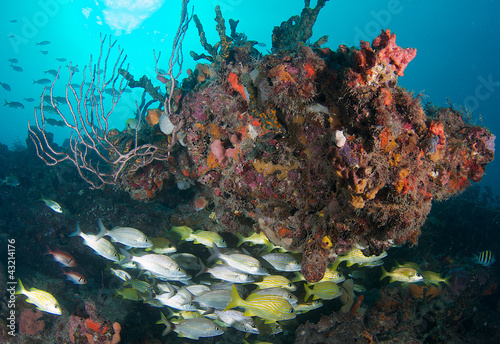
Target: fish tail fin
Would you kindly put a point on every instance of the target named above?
(19, 288)
(270, 246)
(203, 268)
(447, 280)
(308, 292)
(49, 251)
(128, 256)
(384, 273)
(102, 230)
(298, 277)
(184, 231)
(34, 81)
(77, 232)
(235, 299)
(5, 102)
(167, 323)
(336, 263)
(241, 239)
(215, 252)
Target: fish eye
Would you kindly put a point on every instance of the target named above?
(291, 310)
(290, 285)
(56, 307)
(179, 269)
(418, 275)
(169, 246)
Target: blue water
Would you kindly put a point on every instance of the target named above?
(457, 46)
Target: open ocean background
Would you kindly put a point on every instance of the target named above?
(457, 46)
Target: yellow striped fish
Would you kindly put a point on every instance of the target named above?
(41, 299)
(271, 308)
(323, 290)
(275, 281)
(485, 258)
(356, 256)
(206, 238)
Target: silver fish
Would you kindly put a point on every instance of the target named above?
(284, 293)
(161, 266)
(100, 245)
(121, 274)
(11, 181)
(52, 205)
(230, 274)
(195, 328)
(242, 262)
(282, 262)
(217, 299)
(126, 235)
(238, 320)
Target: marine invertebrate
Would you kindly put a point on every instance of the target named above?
(30, 322)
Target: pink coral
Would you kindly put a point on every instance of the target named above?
(391, 53)
(29, 322)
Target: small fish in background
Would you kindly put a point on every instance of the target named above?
(11, 181)
(5, 86)
(54, 122)
(52, 72)
(29, 100)
(73, 70)
(16, 68)
(48, 109)
(61, 59)
(45, 52)
(63, 258)
(14, 105)
(52, 204)
(485, 258)
(43, 81)
(43, 43)
(59, 99)
(43, 300)
(75, 277)
(132, 123)
(13, 21)
(13, 60)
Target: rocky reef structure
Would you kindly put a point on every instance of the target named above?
(319, 149)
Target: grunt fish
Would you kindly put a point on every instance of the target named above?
(11, 181)
(52, 204)
(163, 267)
(256, 239)
(402, 274)
(271, 308)
(14, 105)
(43, 300)
(275, 281)
(195, 328)
(356, 256)
(206, 238)
(242, 262)
(323, 291)
(431, 277)
(282, 262)
(161, 246)
(125, 235)
(238, 321)
(101, 246)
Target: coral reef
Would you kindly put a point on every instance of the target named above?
(308, 143)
